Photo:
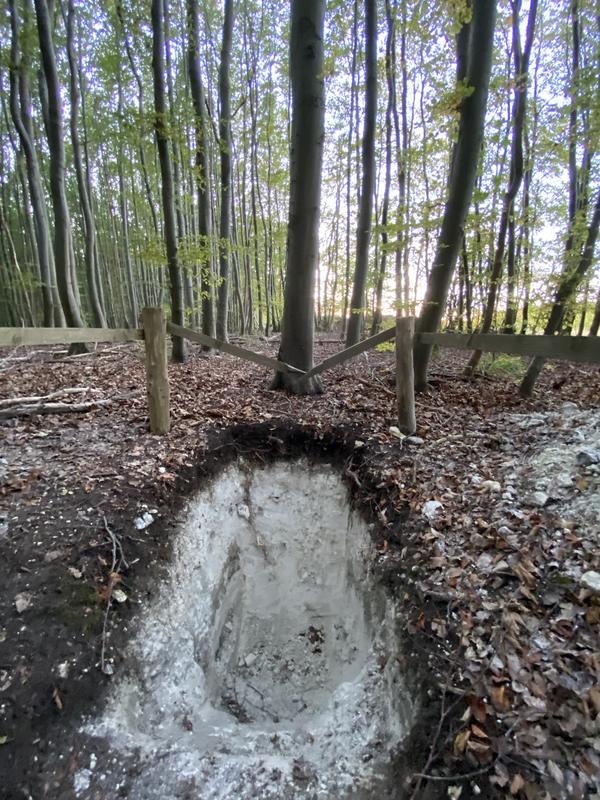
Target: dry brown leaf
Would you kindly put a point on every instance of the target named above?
(477, 731)
(516, 784)
(460, 741)
(477, 706)
(500, 698)
(594, 695)
(478, 747)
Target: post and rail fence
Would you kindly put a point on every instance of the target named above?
(155, 329)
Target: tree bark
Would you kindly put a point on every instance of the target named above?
(89, 223)
(65, 270)
(202, 171)
(20, 104)
(595, 324)
(225, 148)
(164, 153)
(306, 155)
(521, 69)
(390, 43)
(462, 178)
(349, 168)
(363, 236)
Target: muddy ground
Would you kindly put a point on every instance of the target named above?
(485, 552)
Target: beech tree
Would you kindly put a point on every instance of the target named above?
(462, 176)
(363, 236)
(306, 153)
(63, 244)
(225, 150)
(202, 170)
(112, 181)
(164, 153)
(517, 123)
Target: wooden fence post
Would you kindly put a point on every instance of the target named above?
(157, 377)
(405, 377)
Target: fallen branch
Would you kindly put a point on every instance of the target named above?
(52, 408)
(8, 402)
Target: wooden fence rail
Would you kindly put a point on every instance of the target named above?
(15, 337)
(155, 330)
(566, 348)
(232, 349)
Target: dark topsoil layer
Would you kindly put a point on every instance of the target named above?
(68, 499)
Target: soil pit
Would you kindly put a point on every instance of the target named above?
(269, 663)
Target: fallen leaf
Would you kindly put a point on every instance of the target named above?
(477, 746)
(477, 731)
(555, 772)
(478, 707)
(460, 741)
(517, 784)
(500, 698)
(594, 694)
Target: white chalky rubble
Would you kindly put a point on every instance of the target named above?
(268, 665)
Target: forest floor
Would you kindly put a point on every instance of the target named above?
(485, 523)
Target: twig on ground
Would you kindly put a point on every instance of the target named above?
(459, 776)
(118, 558)
(444, 713)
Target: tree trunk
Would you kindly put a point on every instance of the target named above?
(306, 155)
(462, 178)
(363, 234)
(595, 324)
(349, 168)
(89, 223)
(65, 270)
(390, 42)
(225, 148)
(164, 153)
(202, 172)
(20, 104)
(521, 68)
(567, 287)
(133, 304)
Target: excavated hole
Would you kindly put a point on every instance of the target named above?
(269, 664)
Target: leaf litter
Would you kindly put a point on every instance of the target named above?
(505, 490)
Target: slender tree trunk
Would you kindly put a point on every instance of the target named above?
(570, 281)
(164, 153)
(89, 223)
(142, 116)
(306, 155)
(20, 105)
(462, 178)
(225, 148)
(65, 271)
(133, 304)
(595, 324)
(349, 169)
(202, 172)
(584, 306)
(521, 68)
(363, 234)
(390, 41)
